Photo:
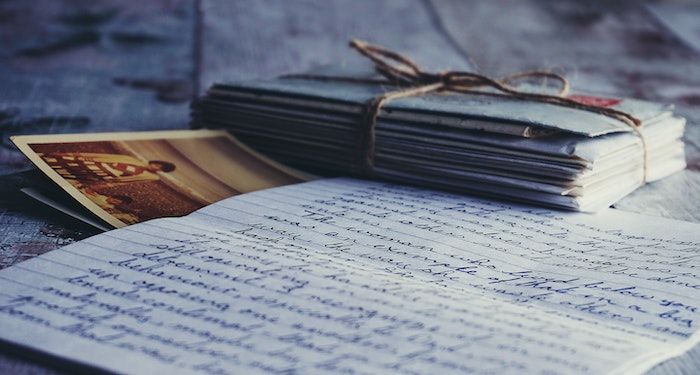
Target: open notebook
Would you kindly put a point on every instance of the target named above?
(349, 276)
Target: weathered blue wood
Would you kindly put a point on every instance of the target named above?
(111, 66)
(264, 38)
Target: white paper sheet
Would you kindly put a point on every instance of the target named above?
(352, 276)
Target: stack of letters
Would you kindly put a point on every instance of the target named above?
(491, 145)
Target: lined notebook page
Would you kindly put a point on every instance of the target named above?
(362, 277)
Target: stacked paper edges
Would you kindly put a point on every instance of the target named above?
(490, 145)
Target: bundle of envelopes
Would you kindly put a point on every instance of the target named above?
(486, 144)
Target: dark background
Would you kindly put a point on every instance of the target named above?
(86, 65)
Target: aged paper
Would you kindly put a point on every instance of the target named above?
(351, 276)
(125, 178)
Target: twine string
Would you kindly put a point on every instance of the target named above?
(400, 71)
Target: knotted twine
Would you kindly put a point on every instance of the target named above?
(400, 71)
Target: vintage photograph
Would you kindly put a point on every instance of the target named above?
(128, 178)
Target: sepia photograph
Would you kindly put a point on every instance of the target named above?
(129, 178)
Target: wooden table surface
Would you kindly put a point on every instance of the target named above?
(116, 65)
